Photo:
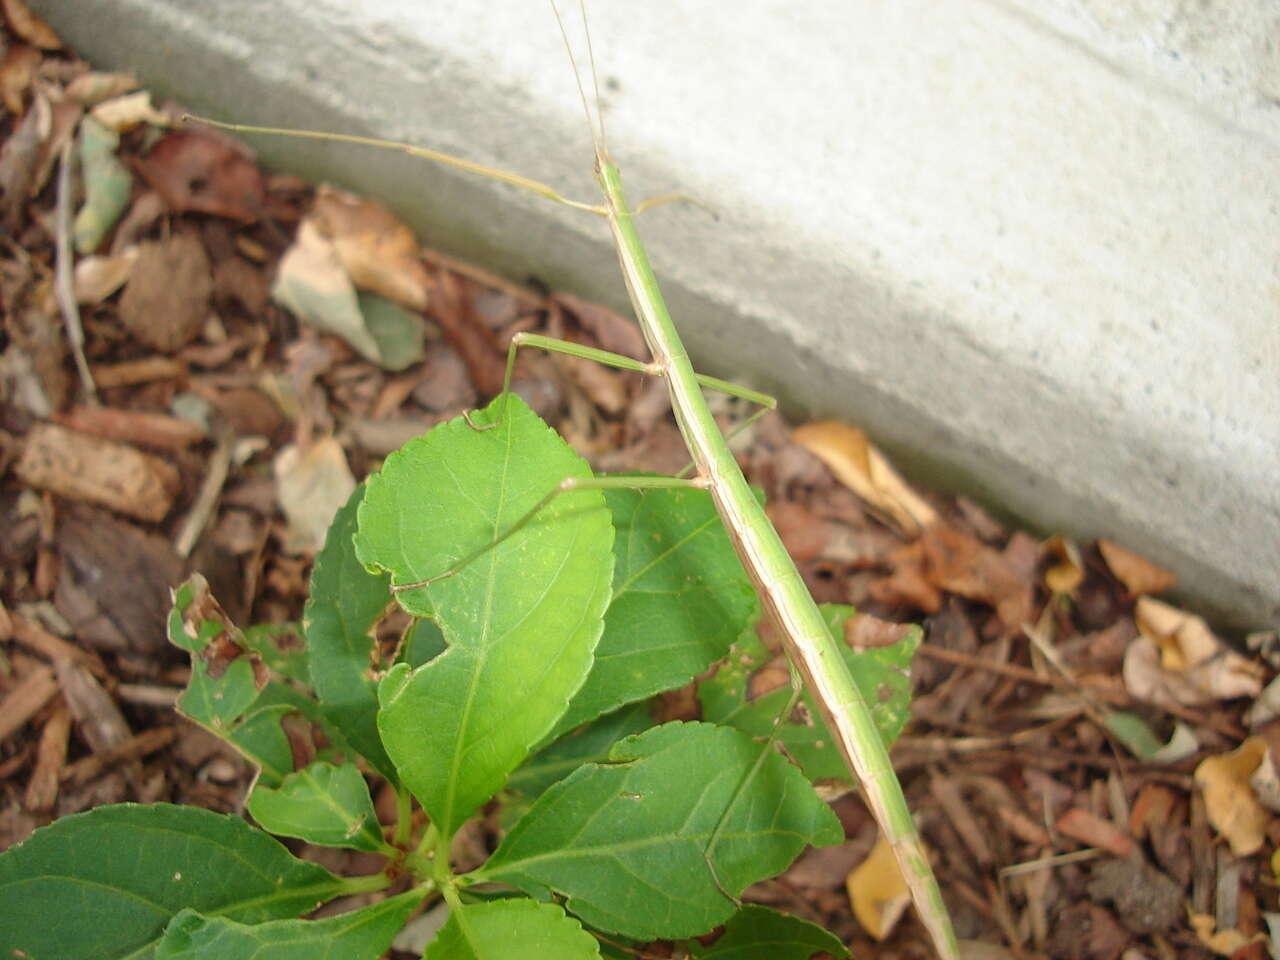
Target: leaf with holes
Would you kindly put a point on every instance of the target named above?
(521, 617)
(882, 674)
(655, 841)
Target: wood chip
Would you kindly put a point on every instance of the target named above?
(136, 427)
(81, 467)
(51, 756)
(1080, 824)
(25, 700)
(53, 648)
(133, 748)
(101, 723)
(130, 372)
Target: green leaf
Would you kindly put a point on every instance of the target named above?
(503, 929)
(592, 742)
(882, 675)
(107, 184)
(758, 933)
(423, 641)
(346, 601)
(231, 692)
(521, 619)
(680, 599)
(363, 934)
(321, 803)
(282, 649)
(649, 844)
(396, 331)
(104, 884)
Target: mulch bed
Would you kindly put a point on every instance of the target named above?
(217, 418)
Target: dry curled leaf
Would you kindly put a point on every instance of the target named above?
(1138, 574)
(959, 563)
(863, 469)
(379, 252)
(1230, 801)
(1067, 572)
(1225, 943)
(1177, 660)
(877, 891)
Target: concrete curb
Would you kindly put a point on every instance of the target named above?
(1034, 248)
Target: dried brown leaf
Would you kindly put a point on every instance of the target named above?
(30, 27)
(1195, 667)
(877, 891)
(864, 470)
(962, 564)
(1138, 574)
(614, 332)
(378, 251)
(95, 86)
(1230, 801)
(17, 70)
(205, 174)
(166, 301)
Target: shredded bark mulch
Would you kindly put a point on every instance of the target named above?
(163, 410)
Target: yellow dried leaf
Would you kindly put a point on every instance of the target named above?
(1138, 574)
(1229, 799)
(877, 891)
(1225, 943)
(863, 469)
(379, 252)
(1068, 573)
(128, 111)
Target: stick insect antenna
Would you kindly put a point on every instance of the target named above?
(595, 122)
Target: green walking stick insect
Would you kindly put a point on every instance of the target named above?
(812, 649)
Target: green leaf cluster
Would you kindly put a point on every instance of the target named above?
(539, 627)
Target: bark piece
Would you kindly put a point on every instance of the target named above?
(114, 581)
(22, 703)
(156, 430)
(81, 467)
(101, 723)
(51, 756)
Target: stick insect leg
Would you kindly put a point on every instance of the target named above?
(621, 362)
(567, 485)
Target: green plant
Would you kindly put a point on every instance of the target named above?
(521, 682)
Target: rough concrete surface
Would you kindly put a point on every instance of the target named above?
(1033, 247)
